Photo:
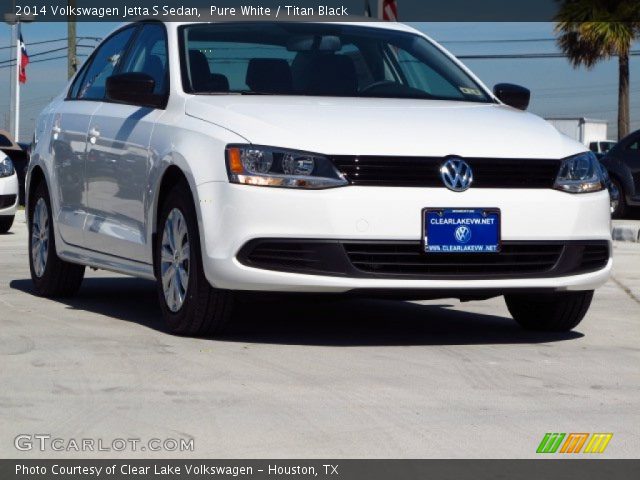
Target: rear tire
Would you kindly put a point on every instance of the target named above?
(554, 312)
(52, 277)
(5, 223)
(190, 305)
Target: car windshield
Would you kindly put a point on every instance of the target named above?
(320, 60)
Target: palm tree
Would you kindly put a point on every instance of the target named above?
(593, 30)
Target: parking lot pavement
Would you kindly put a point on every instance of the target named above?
(313, 378)
(626, 230)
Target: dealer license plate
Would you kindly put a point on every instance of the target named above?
(461, 230)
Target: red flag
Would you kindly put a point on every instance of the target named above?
(24, 61)
(388, 10)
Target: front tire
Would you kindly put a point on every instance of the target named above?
(190, 305)
(621, 207)
(555, 312)
(6, 223)
(52, 276)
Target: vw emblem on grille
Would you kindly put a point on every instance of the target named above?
(456, 174)
(463, 234)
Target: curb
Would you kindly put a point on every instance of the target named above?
(626, 233)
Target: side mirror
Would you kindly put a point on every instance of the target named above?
(135, 88)
(513, 95)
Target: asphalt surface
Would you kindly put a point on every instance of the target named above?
(626, 230)
(313, 378)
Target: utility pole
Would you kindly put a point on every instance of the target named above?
(72, 60)
(14, 21)
(16, 114)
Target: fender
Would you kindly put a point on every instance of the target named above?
(192, 149)
(621, 172)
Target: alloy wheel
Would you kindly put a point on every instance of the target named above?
(174, 260)
(40, 237)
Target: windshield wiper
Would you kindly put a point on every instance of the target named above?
(251, 92)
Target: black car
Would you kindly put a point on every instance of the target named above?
(623, 164)
(614, 193)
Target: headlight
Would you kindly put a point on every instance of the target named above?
(6, 167)
(277, 167)
(580, 174)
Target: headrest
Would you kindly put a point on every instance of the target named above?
(200, 72)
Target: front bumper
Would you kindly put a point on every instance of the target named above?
(8, 195)
(233, 215)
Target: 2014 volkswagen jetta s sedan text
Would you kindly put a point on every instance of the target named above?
(309, 157)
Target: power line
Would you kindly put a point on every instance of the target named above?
(35, 43)
(37, 61)
(41, 60)
(96, 39)
(38, 54)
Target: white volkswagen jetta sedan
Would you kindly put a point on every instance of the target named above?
(8, 193)
(310, 157)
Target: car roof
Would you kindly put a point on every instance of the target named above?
(356, 20)
(361, 21)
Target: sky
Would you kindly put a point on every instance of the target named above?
(557, 88)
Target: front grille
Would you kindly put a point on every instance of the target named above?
(407, 259)
(7, 200)
(425, 171)
(404, 259)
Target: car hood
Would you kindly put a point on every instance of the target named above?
(368, 126)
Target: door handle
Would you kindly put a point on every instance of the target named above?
(94, 133)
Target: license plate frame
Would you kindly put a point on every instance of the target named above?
(464, 248)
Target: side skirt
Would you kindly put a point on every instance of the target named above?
(103, 261)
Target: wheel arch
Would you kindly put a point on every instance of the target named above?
(35, 178)
(621, 173)
(623, 183)
(172, 175)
